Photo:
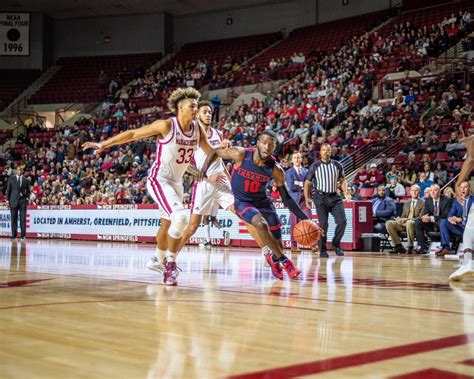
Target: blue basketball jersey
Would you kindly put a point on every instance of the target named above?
(249, 181)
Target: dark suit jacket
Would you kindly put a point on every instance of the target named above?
(420, 203)
(290, 176)
(15, 192)
(444, 208)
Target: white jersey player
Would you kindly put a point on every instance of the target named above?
(208, 195)
(177, 140)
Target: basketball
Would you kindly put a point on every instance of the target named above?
(306, 233)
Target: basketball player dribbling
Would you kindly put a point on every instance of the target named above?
(215, 191)
(254, 168)
(177, 140)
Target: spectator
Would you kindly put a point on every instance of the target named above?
(406, 222)
(408, 177)
(383, 209)
(394, 189)
(436, 208)
(456, 221)
(375, 178)
(440, 174)
(423, 182)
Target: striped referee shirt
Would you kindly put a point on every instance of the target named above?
(325, 175)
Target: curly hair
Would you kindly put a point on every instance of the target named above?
(181, 94)
(206, 103)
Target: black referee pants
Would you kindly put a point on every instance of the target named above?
(330, 203)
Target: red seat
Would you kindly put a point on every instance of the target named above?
(366, 193)
(442, 156)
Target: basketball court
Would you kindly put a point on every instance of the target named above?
(74, 309)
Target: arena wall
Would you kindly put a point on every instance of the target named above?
(128, 35)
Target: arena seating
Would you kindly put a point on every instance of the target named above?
(13, 83)
(77, 81)
(218, 50)
(321, 37)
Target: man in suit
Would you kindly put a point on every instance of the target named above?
(294, 178)
(383, 209)
(411, 210)
(436, 208)
(455, 224)
(18, 193)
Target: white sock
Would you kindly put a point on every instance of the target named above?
(170, 257)
(160, 254)
(467, 259)
(208, 232)
(266, 250)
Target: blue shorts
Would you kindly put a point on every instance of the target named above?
(247, 211)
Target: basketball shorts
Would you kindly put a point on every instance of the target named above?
(247, 211)
(167, 194)
(208, 197)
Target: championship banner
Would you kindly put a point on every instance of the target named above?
(15, 34)
(140, 223)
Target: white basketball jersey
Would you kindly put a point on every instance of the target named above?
(175, 152)
(217, 166)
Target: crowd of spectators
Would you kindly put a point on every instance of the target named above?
(329, 100)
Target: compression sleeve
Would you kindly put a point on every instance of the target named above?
(291, 203)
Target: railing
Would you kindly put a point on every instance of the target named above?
(370, 153)
(387, 87)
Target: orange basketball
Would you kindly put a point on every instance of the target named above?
(306, 233)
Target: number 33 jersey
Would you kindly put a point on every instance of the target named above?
(249, 181)
(175, 152)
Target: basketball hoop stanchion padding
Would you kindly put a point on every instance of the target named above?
(140, 223)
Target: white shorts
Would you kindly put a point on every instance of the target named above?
(468, 235)
(207, 197)
(167, 194)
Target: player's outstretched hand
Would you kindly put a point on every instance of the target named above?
(216, 178)
(92, 145)
(469, 142)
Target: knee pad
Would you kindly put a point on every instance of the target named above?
(179, 221)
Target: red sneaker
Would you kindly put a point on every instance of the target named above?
(275, 267)
(291, 269)
(170, 274)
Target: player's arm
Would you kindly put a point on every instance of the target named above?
(203, 142)
(468, 164)
(279, 176)
(235, 154)
(307, 186)
(193, 171)
(157, 128)
(345, 190)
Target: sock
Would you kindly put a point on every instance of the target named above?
(266, 250)
(208, 232)
(160, 254)
(170, 257)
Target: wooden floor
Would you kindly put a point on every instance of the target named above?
(92, 310)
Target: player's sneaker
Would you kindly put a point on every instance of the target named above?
(170, 274)
(226, 238)
(154, 264)
(466, 269)
(290, 268)
(206, 245)
(274, 266)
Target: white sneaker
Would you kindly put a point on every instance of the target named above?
(155, 265)
(465, 270)
(462, 272)
(207, 245)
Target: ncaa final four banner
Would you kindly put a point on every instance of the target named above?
(15, 34)
(139, 223)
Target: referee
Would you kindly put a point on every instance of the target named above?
(326, 174)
